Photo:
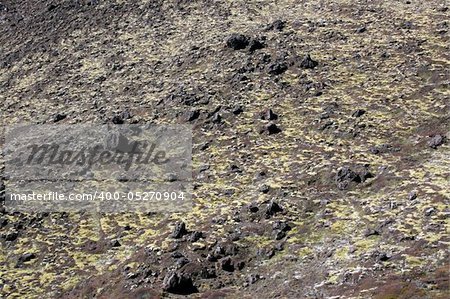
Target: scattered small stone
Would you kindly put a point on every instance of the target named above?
(51, 7)
(371, 232)
(205, 146)
(344, 176)
(192, 115)
(279, 247)
(406, 25)
(227, 264)
(179, 231)
(436, 140)
(132, 275)
(277, 68)
(264, 189)
(326, 125)
(240, 265)
(11, 236)
(171, 177)
(280, 235)
(236, 236)
(361, 29)
(253, 278)
(270, 253)
(308, 62)
(237, 110)
(3, 222)
(58, 117)
(359, 113)
(273, 208)
(382, 256)
(117, 120)
(211, 257)
(217, 118)
(26, 258)
(430, 211)
(282, 226)
(230, 249)
(412, 195)
(383, 148)
(229, 192)
(270, 129)
(268, 114)
(208, 273)
(277, 25)
(235, 169)
(178, 284)
(255, 44)
(237, 41)
(324, 115)
(176, 254)
(253, 208)
(2, 192)
(260, 175)
(115, 243)
(195, 236)
(181, 262)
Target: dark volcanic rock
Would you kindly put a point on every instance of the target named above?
(270, 129)
(268, 114)
(277, 68)
(412, 195)
(344, 176)
(256, 44)
(237, 110)
(227, 264)
(253, 208)
(179, 230)
(253, 278)
(181, 262)
(25, 258)
(371, 232)
(192, 115)
(178, 284)
(217, 118)
(264, 189)
(115, 243)
(280, 235)
(383, 148)
(277, 25)
(3, 222)
(282, 226)
(237, 41)
(195, 236)
(117, 120)
(120, 118)
(272, 208)
(308, 63)
(58, 117)
(381, 256)
(2, 192)
(361, 29)
(11, 236)
(436, 141)
(359, 112)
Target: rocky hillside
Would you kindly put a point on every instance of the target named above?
(321, 146)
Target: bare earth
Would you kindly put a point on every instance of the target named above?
(320, 176)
